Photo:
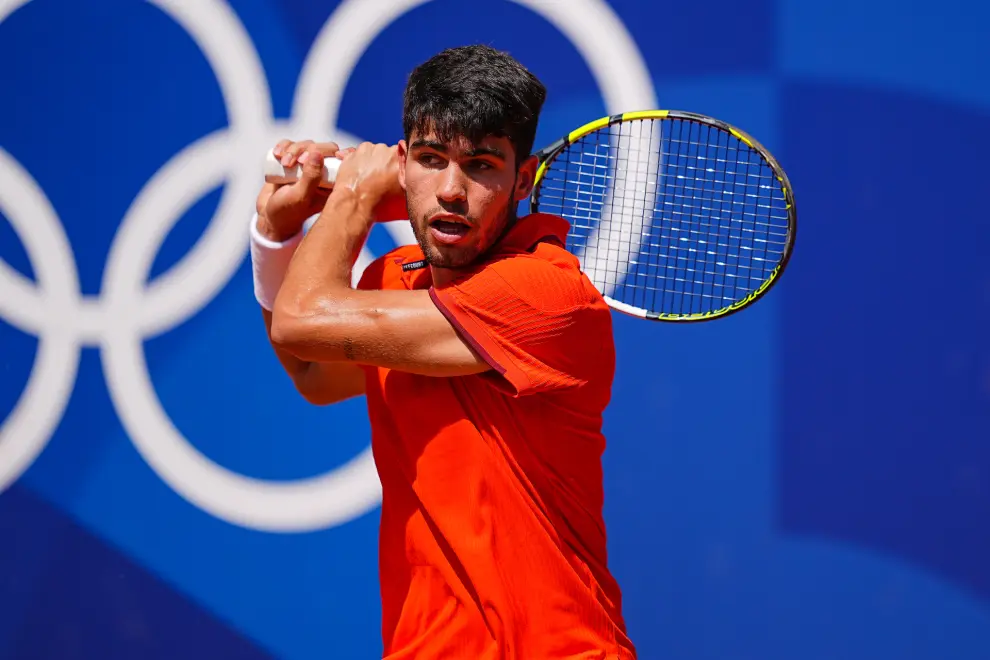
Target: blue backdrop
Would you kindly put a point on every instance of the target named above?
(809, 479)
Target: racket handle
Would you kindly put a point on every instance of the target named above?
(275, 172)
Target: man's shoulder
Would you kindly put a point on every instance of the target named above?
(537, 266)
(541, 278)
(387, 271)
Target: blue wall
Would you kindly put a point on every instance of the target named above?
(810, 479)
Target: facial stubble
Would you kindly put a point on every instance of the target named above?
(457, 256)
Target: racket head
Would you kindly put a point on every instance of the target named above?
(675, 216)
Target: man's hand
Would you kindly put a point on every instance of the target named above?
(372, 171)
(283, 209)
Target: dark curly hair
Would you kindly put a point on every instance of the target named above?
(474, 92)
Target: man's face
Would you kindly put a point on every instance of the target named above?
(460, 195)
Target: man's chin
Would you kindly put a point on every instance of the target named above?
(450, 256)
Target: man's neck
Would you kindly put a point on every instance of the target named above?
(443, 276)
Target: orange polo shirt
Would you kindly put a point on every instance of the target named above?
(492, 540)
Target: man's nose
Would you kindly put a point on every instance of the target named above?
(452, 186)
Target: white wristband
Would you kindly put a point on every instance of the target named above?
(269, 262)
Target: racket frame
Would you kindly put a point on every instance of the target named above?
(548, 154)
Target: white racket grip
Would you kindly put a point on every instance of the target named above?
(275, 172)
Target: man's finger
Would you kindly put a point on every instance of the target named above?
(290, 155)
(280, 148)
(312, 169)
(327, 149)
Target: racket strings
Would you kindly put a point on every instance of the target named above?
(674, 204)
(626, 158)
(589, 210)
(608, 160)
(669, 216)
(601, 189)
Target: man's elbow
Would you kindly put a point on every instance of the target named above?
(286, 328)
(306, 332)
(292, 329)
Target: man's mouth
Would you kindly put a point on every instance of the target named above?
(449, 229)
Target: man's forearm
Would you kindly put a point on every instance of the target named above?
(317, 285)
(267, 230)
(320, 384)
(323, 264)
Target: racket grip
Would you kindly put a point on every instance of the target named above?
(275, 172)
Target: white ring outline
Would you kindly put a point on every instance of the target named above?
(131, 311)
(28, 427)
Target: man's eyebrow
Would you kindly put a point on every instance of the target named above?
(429, 144)
(471, 153)
(486, 151)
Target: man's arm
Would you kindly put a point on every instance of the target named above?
(319, 317)
(320, 383)
(282, 210)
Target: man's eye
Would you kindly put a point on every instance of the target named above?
(429, 160)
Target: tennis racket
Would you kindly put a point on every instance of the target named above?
(674, 216)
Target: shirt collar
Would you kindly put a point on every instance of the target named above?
(533, 229)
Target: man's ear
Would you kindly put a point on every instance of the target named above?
(402, 152)
(526, 178)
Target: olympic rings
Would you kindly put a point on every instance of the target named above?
(130, 309)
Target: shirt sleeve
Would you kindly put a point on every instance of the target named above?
(540, 327)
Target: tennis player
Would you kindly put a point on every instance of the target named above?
(486, 358)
